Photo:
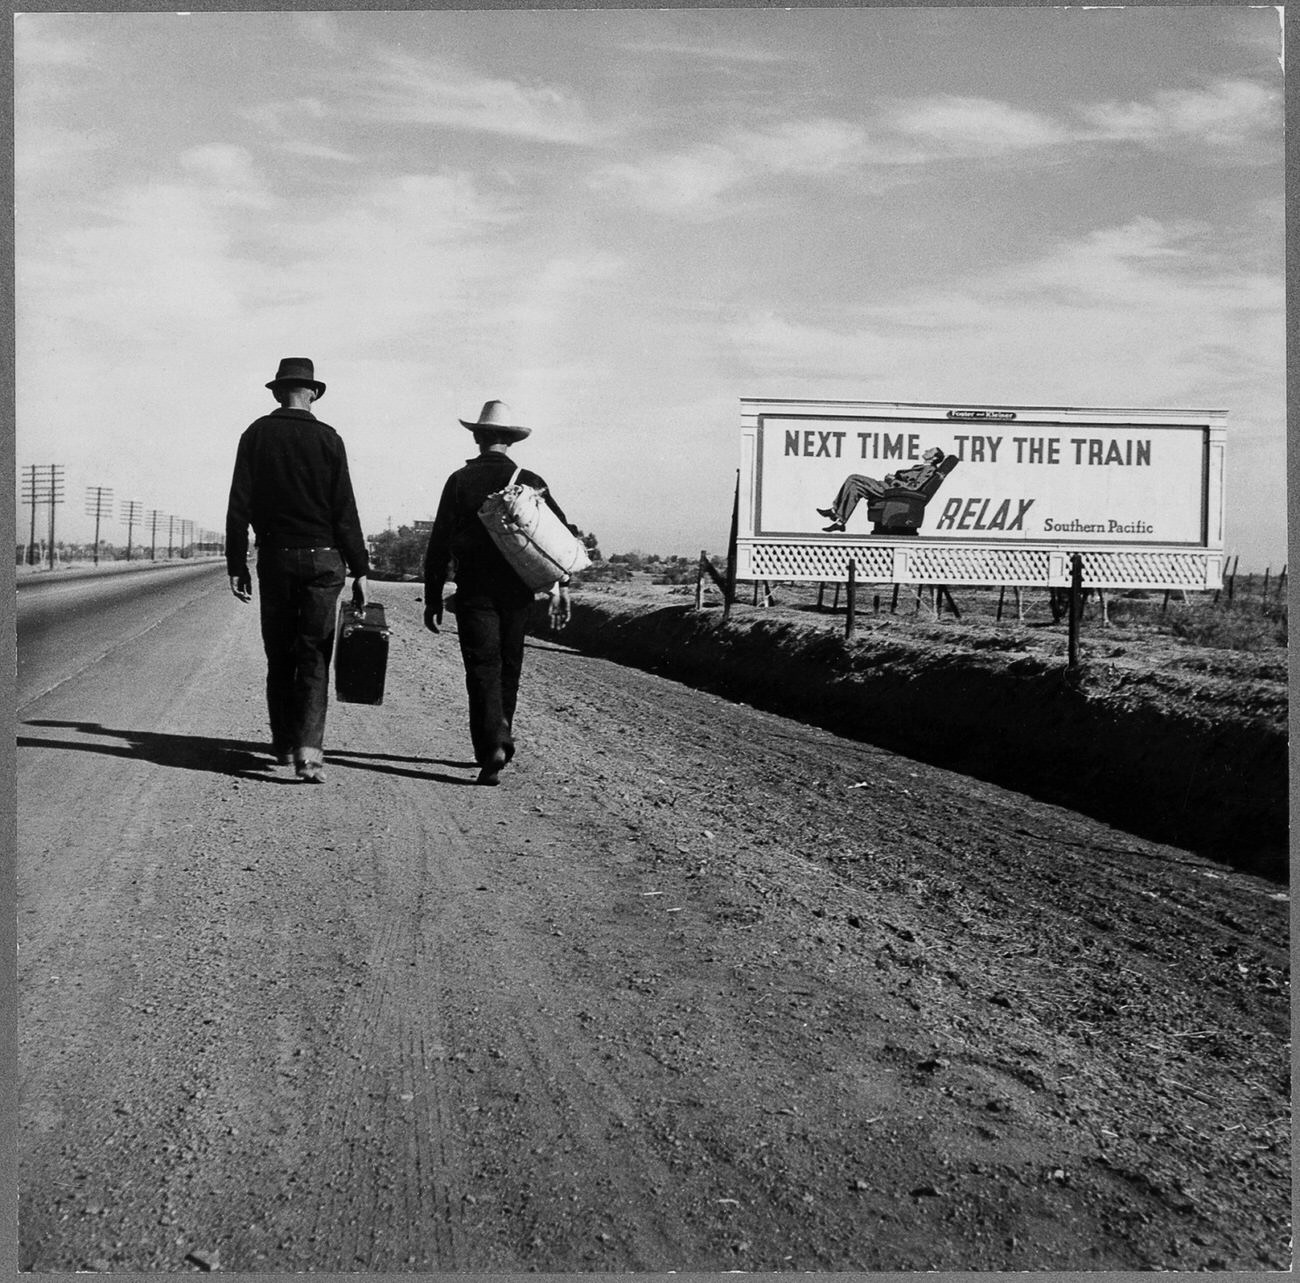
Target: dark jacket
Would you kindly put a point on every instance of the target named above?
(291, 484)
(458, 535)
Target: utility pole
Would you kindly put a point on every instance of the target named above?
(54, 495)
(131, 513)
(171, 532)
(33, 492)
(43, 483)
(99, 504)
(154, 518)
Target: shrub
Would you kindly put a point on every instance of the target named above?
(1259, 626)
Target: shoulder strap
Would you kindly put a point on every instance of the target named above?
(514, 476)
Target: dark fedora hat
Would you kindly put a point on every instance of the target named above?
(297, 372)
(495, 417)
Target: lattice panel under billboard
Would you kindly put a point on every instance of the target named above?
(818, 561)
(934, 564)
(1139, 569)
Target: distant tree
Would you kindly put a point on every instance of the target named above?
(604, 572)
(399, 553)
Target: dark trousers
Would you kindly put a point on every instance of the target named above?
(855, 489)
(491, 629)
(298, 589)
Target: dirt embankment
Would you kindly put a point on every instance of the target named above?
(1179, 744)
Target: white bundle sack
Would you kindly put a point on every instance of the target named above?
(540, 548)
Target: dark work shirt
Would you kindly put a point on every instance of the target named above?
(291, 484)
(459, 535)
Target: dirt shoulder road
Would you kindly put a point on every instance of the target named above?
(697, 988)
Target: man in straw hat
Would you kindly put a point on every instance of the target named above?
(291, 484)
(492, 602)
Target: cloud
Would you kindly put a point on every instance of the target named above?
(1137, 314)
(154, 263)
(409, 90)
(1225, 115)
(322, 29)
(913, 133)
(36, 46)
(734, 53)
(673, 183)
(557, 288)
(288, 126)
(955, 126)
(46, 149)
(692, 182)
(227, 173)
(820, 146)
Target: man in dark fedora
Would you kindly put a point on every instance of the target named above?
(492, 602)
(292, 485)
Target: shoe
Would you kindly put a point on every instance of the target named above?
(490, 772)
(828, 513)
(510, 753)
(835, 525)
(310, 766)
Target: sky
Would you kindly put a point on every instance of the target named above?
(621, 222)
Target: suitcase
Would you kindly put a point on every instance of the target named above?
(360, 653)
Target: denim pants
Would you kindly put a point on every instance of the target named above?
(298, 589)
(491, 630)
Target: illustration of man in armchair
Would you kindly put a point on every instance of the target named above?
(896, 505)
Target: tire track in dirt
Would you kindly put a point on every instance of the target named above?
(392, 1096)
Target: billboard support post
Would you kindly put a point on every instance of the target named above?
(729, 593)
(1076, 604)
(851, 600)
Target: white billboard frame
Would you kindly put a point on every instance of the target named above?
(780, 534)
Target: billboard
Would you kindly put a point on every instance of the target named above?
(872, 474)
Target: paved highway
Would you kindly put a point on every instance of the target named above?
(67, 623)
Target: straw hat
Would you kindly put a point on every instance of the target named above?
(495, 417)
